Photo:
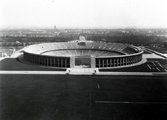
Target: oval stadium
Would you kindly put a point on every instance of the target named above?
(83, 54)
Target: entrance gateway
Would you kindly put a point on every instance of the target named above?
(83, 61)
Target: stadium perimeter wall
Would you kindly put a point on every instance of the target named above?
(96, 62)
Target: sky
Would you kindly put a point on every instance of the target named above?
(83, 13)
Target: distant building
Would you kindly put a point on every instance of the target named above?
(55, 29)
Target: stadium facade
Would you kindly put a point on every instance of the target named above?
(83, 53)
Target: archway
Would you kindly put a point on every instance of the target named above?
(83, 61)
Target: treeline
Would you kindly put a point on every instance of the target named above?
(138, 40)
(24, 41)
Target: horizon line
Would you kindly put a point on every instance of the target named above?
(52, 27)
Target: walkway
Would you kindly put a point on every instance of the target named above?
(86, 72)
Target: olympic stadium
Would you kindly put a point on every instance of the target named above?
(83, 56)
(83, 80)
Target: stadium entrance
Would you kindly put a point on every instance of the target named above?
(83, 61)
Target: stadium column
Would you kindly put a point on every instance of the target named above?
(99, 62)
(47, 61)
(118, 61)
(61, 62)
(110, 62)
(66, 62)
(126, 60)
(130, 60)
(72, 61)
(43, 60)
(51, 64)
(58, 62)
(103, 62)
(33, 59)
(114, 62)
(37, 59)
(54, 61)
(107, 63)
(92, 62)
(123, 61)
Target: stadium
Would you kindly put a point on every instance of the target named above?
(83, 54)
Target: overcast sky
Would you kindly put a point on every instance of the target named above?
(83, 13)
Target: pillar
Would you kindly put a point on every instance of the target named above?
(107, 62)
(92, 62)
(54, 62)
(99, 62)
(72, 61)
(117, 61)
(51, 61)
(43, 60)
(47, 61)
(65, 62)
(123, 59)
(121, 62)
(58, 63)
(103, 62)
(114, 62)
(61, 60)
